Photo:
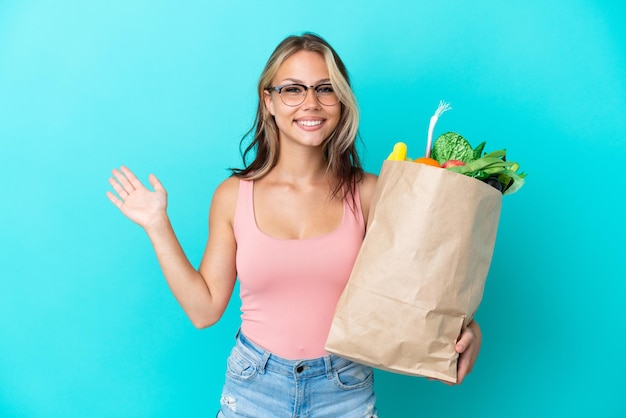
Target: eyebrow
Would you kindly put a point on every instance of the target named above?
(296, 81)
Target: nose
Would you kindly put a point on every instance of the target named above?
(310, 98)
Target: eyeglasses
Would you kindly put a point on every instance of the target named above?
(294, 94)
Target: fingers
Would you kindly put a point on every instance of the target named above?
(120, 184)
(124, 182)
(468, 347)
(467, 338)
(464, 367)
(123, 178)
(117, 202)
(117, 186)
(155, 183)
(460, 373)
(464, 364)
(132, 179)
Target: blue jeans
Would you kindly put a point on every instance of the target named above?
(262, 385)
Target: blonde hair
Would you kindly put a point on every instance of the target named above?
(339, 149)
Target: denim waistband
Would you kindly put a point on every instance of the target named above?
(304, 368)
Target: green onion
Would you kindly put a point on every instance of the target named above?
(443, 106)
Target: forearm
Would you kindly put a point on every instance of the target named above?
(186, 283)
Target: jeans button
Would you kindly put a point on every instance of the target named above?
(299, 369)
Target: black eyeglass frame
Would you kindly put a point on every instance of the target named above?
(279, 89)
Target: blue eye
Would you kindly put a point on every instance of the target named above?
(293, 89)
(325, 89)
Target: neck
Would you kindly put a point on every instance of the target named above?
(301, 165)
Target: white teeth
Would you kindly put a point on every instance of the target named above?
(310, 122)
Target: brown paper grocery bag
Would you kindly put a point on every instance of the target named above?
(420, 274)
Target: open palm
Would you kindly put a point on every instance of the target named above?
(134, 200)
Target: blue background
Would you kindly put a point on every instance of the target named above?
(88, 326)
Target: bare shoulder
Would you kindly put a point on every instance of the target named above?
(225, 198)
(366, 191)
(228, 187)
(368, 183)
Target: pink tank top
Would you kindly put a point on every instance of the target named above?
(289, 287)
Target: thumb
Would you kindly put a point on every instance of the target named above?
(156, 184)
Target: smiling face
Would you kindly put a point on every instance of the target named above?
(309, 123)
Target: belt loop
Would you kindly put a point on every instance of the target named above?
(263, 361)
(329, 366)
(259, 353)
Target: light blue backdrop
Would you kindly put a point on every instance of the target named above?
(87, 324)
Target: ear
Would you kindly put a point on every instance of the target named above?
(269, 103)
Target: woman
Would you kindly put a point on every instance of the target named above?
(289, 226)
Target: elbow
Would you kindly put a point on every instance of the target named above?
(203, 322)
(203, 316)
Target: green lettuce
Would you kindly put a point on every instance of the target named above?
(452, 146)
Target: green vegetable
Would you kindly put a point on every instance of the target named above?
(494, 164)
(492, 168)
(478, 151)
(452, 146)
(511, 181)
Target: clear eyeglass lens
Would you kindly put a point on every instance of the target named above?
(326, 94)
(294, 94)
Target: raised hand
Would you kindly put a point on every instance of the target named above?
(141, 205)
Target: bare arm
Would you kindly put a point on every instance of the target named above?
(203, 294)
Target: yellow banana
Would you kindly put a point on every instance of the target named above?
(399, 152)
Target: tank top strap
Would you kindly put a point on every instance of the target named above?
(244, 212)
